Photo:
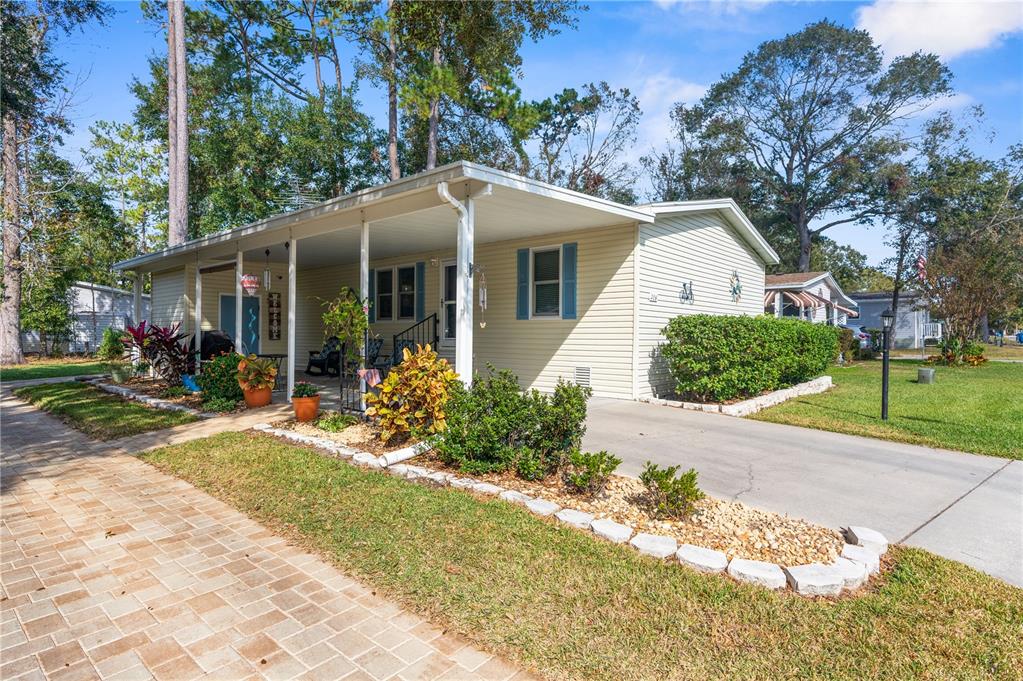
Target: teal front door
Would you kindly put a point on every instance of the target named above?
(250, 321)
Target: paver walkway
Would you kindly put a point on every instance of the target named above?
(111, 569)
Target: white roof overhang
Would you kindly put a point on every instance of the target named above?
(405, 216)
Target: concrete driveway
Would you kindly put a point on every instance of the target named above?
(963, 506)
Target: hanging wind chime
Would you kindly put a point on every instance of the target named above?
(483, 299)
(267, 275)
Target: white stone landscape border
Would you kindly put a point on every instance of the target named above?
(861, 555)
(149, 400)
(752, 405)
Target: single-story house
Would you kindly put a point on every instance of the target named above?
(813, 296)
(499, 269)
(94, 307)
(913, 325)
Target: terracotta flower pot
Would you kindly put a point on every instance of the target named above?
(257, 398)
(306, 408)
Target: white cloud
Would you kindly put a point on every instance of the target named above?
(947, 29)
(657, 94)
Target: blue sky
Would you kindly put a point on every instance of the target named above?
(665, 52)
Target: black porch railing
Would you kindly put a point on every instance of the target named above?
(424, 332)
(420, 333)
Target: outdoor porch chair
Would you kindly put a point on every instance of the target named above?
(327, 360)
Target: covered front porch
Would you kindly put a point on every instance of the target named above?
(437, 257)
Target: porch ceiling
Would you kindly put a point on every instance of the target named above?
(405, 216)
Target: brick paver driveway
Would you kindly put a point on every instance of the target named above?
(111, 569)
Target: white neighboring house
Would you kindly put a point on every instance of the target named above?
(913, 323)
(813, 296)
(575, 287)
(94, 307)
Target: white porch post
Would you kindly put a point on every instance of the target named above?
(778, 304)
(238, 267)
(364, 295)
(463, 292)
(292, 297)
(197, 331)
(834, 315)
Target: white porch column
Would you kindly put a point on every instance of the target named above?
(364, 295)
(292, 297)
(463, 291)
(778, 304)
(834, 315)
(136, 289)
(197, 331)
(238, 267)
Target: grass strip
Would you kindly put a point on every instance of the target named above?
(561, 602)
(99, 414)
(969, 409)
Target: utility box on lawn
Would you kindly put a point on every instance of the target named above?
(924, 375)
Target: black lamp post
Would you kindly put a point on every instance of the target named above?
(887, 319)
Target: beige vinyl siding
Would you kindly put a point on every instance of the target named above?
(539, 351)
(169, 305)
(215, 284)
(702, 248)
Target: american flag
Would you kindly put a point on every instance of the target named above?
(921, 268)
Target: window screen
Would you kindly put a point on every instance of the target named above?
(546, 283)
(406, 292)
(385, 294)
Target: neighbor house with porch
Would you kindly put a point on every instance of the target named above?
(813, 296)
(498, 269)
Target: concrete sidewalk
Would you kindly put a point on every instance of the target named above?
(963, 506)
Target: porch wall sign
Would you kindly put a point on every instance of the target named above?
(685, 294)
(735, 287)
(273, 316)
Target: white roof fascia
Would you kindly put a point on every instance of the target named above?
(730, 209)
(452, 173)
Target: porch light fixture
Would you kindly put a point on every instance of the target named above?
(267, 275)
(887, 321)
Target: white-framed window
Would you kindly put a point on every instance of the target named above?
(385, 294)
(406, 286)
(545, 281)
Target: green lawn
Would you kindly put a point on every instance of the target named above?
(99, 414)
(971, 409)
(559, 601)
(52, 368)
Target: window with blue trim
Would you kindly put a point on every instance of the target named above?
(546, 282)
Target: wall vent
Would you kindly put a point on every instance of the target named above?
(582, 376)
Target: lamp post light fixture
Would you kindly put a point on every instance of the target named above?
(887, 320)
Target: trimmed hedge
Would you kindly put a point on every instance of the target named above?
(718, 358)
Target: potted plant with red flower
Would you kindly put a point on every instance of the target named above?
(305, 398)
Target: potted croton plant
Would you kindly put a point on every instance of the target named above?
(256, 377)
(305, 398)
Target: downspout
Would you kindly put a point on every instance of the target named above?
(445, 194)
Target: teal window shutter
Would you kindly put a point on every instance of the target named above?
(568, 284)
(522, 289)
(372, 302)
(420, 291)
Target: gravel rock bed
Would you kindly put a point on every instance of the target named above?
(737, 530)
(361, 436)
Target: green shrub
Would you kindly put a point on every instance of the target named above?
(588, 472)
(219, 379)
(335, 421)
(112, 346)
(495, 426)
(718, 358)
(174, 391)
(219, 404)
(669, 495)
(847, 345)
(529, 465)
